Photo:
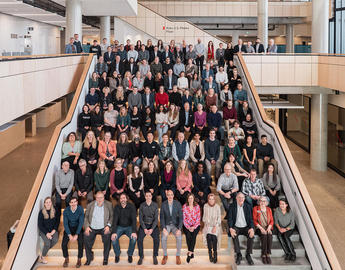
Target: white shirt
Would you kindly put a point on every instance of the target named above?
(240, 219)
(221, 77)
(182, 83)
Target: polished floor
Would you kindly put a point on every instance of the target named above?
(19, 169)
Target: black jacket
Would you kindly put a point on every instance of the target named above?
(134, 69)
(97, 50)
(121, 68)
(237, 49)
(232, 215)
(261, 48)
(108, 58)
(152, 56)
(84, 120)
(166, 82)
(135, 151)
(83, 182)
(182, 119)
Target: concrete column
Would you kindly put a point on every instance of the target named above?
(73, 20)
(262, 10)
(235, 36)
(105, 28)
(318, 132)
(319, 37)
(290, 38)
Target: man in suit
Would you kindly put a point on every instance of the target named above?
(155, 53)
(240, 221)
(166, 54)
(171, 219)
(272, 48)
(206, 73)
(169, 81)
(77, 43)
(117, 66)
(259, 48)
(98, 220)
(148, 99)
(131, 66)
(240, 47)
(186, 120)
(109, 56)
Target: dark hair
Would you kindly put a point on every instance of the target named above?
(69, 134)
(122, 193)
(73, 198)
(274, 173)
(283, 199)
(252, 170)
(263, 136)
(203, 166)
(191, 195)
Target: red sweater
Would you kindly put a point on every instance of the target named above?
(229, 113)
(162, 99)
(257, 215)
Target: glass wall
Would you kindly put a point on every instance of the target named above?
(337, 28)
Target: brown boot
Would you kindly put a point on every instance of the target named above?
(164, 260)
(78, 263)
(65, 264)
(178, 260)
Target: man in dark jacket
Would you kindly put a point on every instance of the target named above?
(265, 155)
(258, 47)
(169, 80)
(240, 221)
(83, 181)
(186, 120)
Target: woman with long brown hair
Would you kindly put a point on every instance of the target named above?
(184, 181)
(101, 177)
(210, 51)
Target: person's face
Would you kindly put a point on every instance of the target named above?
(86, 109)
(221, 45)
(72, 138)
(109, 49)
(183, 164)
(147, 90)
(151, 167)
(101, 165)
(135, 90)
(95, 43)
(258, 41)
(89, 136)
(128, 42)
(118, 164)
(161, 89)
(197, 137)
(82, 166)
(110, 107)
(270, 169)
(282, 205)
(100, 198)
(200, 168)
(227, 170)
(211, 200)
(186, 107)
(168, 167)
(235, 71)
(170, 196)
(214, 109)
(135, 110)
(170, 72)
(245, 104)
(249, 140)
(212, 134)
(73, 203)
(199, 107)
(180, 137)
(167, 60)
(150, 137)
(191, 48)
(221, 69)
(230, 103)
(231, 141)
(252, 175)
(107, 137)
(249, 43)
(148, 197)
(236, 125)
(190, 200)
(123, 199)
(240, 199)
(136, 170)
(248, 117)
(48, 204)
(264, 140)
(161, 108)
(71, 40)
(92, 91)
(65, 166)
(239, 86)
(199, 40)
(263, 202)
(76, 36)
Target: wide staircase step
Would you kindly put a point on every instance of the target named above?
(277, 264)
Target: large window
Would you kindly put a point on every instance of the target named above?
(337, 28)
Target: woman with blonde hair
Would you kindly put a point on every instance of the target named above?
(119, 99)
(89, 151)
(127, 82)
(123, 121)
(212, 232)
(101, 177)
(48, 224)
(184, 181)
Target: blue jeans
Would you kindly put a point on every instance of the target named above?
(138, 162)
(161, 131)
(116, 245)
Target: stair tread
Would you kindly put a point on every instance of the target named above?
(277, 263)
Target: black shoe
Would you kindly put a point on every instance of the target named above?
(92, 256)
(287, 257)
(292, 258)
(117, 259)
(215, 257)
(140, 262)
(188, 259)
(238, 258)
(155, 261)
(87, 262)
(249, 259)
(130, 259)
(105, 262)
(210, 256)
(192, 256)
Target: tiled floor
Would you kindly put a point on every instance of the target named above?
(327, 191)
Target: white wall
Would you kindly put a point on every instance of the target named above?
(124, 31)
(45, 38)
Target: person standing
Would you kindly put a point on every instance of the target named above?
(171, 219)
(124, 222)
(77, 43)
(73, 220)
(199, 49)
(148, 219)
(70, 47)
(98, 220)
(191, 224)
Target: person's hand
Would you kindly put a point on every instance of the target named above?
(87, 231)
(70, 236)
(251, 232)
(182, 191)
(63, 196)
(104, 192)
(214, 229)
(113, 236)
(266, 159)
(49, 236)
(75, 237)
(79, 193)
(227, 195)
(137, 194)
(200, 193)
(135, 159)
(213, 161)
(283, 230)
(262, 230)
(75, 160)
(133, 236)
(151, 190)
(178, 232)
(106, 230)
(146, 231)
(84, 194)
(150, 231)
(233, 233)
(165, 232)
(269, 231)
(191, 229)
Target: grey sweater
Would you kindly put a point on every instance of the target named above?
(287, 220)
(64, 180)
(134, 100)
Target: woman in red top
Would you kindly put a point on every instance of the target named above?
(210, 51)
(263, 222)
(162, 98)
(191, 224)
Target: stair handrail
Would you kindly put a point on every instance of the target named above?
(24, 219)
(320, 230)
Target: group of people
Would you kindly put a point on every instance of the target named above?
(107, 160)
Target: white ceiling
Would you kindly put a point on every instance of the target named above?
(89, 8)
